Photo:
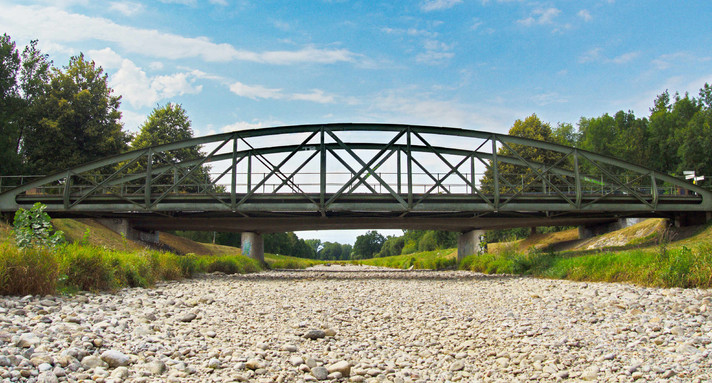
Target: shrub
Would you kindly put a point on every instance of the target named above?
(33, 228)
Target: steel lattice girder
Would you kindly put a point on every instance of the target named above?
(99, 197)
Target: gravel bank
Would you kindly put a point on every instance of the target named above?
(348, 323)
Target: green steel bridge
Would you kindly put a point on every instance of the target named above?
(344, 176)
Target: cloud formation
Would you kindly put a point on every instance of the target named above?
(256, 92)
(541, 16)
(136, 87)
(57, 25)
(435, 5)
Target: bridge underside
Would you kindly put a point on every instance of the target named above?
(274, 222)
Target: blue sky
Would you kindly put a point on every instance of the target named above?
(236, 64)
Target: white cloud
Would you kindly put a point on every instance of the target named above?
(106, 58)
(434, 5)
(436, 52)
(58, 26)
(593, 54)
(540, 17)
(126, 8)
(242, 125)
(258, 91)
(255, 91)
(667, 61)
(549, 98)
(596, 55)
(316, 95)
(138, 89)
(156, 65)
(405, 107)
(585, 15)
(184, 2)
(175, 84)
(625, 58)
(219, 2)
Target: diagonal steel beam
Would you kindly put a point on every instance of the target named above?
(350, 169)
(365, 167)
(275, 169)
(368, 166)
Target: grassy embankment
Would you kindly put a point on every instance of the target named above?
(641, 254)
(98, 259)
(433, 260)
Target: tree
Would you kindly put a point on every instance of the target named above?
(368, 245)
(392, 246)
(620, 136)
(515, 178)
(10, 106)
(331, 250)
(80, 120)
(667, 126)
(167, 124)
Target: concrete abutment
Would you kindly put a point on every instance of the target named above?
(123, 226)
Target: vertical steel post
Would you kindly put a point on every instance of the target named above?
(577, 179)
(233, 180)
(495, 172)
(398, 170)
(147, 187)
(472, 174)
(410, 171)
(249, 171)
(322, 174)
(67, 191)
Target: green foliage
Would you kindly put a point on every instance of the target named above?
(368, 245)
(428, 260)
(78, 121)
(661, 266)
(33, 228)
(288, 244)
(392, 246)
(286, 262)
(166, 124)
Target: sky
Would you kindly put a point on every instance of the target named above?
(477, 64)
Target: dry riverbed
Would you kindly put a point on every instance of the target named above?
(349, 323)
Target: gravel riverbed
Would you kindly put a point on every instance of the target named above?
(360, 324)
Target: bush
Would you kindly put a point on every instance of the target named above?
(33, 228)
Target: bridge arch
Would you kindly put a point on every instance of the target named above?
(347, 175)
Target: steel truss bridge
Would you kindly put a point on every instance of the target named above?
(340, 176)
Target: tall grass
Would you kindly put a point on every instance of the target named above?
(657, 266)
(275, 261)
(77, 267)
(33, 271)
(433, 260)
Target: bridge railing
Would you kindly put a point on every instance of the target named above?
(310, 183)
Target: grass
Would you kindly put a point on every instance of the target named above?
(287, 262)
(434, 260)
(664, 265)
(75, 267)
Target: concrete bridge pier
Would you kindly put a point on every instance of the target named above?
(468, 243)
(253, 245)
(123, 226)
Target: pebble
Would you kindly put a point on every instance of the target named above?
(367, 325)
